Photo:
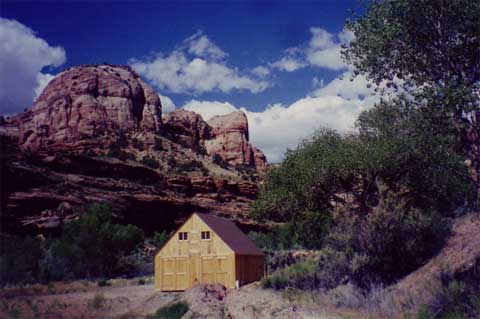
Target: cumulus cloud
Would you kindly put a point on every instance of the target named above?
(200, 45)
(42, 81)
(345, 87)
(195, 68)
(261, 71)
(288, 64)
(22, 56)
(167, 104)
(324, 48)
(279, 127)
(208, 109)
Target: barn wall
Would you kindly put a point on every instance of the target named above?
(181, 264)
(249, 268)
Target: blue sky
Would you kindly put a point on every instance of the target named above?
(277, 61)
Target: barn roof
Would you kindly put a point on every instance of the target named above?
(231, 235)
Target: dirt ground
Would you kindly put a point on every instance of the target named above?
(128, 299)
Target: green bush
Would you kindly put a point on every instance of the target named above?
(299, 275)
(277, 238)
(173, 311)
(91, 246)
(390, 241)
(159, 239)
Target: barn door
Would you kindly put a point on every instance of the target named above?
(174, 273)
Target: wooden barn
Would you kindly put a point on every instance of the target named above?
(207, 249)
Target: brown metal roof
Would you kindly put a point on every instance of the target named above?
(231, 235)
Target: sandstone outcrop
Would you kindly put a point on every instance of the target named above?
(89, 101)
(96, 134)
(189, 128)
(230, 140)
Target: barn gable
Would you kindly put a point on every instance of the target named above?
(207, 249)
(231, 235)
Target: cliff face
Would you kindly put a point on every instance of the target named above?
(86, 102)
(96, 134)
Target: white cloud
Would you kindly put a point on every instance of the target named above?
(208, 109)
(288, 64)
(344, 87)
(200, 45)
(42, 81)
(279, 127)
(260, 71)
(167, 104)
(292, 61)
(179, 72)
(324, 48)
(22, 57)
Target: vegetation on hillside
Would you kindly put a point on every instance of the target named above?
(377, 203)
(92, 246)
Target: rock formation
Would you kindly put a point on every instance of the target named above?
(230, 141)
(96, 134)
(89, 101)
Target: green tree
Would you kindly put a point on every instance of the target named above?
(394, 149)
(92, 245)
(431, 49)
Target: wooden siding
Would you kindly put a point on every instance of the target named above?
(249, 268)
(181, 264)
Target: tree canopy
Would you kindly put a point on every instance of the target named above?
(430, 49)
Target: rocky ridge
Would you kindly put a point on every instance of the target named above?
(96, 133)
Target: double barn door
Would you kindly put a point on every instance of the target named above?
(181, 273)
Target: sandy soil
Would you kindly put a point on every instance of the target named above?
(129, 300)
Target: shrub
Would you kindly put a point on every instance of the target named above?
(20, 260)
(346, 296)
(91, 246)
(103, 283)
(158, 146)
(159, 239)
(299, 275)
(454, 295)
(97, 302)
(173, 311)
(190, 166)
(218, 160)
(137, 144)
(116, 152)
(150, 162)
(277, 238)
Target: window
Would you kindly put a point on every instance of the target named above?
(205, 235)
(182, 236)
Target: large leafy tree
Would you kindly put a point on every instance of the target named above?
(431, 50)
(395, 149)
